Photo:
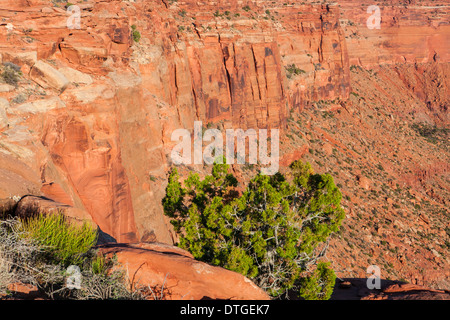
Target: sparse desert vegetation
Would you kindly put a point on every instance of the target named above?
(50, 253)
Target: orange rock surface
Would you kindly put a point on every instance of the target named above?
(89, 123)
(173, 274)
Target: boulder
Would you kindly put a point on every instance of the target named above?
(31, 204)
(327, 148)
(76, 76)
(179, 275)
(28, 58)
(25, 291)
(48, 77)
(363, 182)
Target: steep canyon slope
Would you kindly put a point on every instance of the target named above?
(89, 122)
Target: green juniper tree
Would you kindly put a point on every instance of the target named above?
(273, 232)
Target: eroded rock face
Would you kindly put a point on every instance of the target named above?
(410, 31)
(92, 130)
(104, 127)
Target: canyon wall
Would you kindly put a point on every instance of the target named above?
(89, 123)
(102, 133)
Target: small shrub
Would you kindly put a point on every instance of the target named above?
(20, 98)
(101, 281)
(99, 264)
(11, 73)
(17, 254)
(292, 70)
(271, 232)
(318, 286)
(12, 66)
(21, 249)
(63, 242)
(431, 132)
(135, 33)
(182, 13)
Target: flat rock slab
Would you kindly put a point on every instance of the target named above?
(48, 77)
(182, 277)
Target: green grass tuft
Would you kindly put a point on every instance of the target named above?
(64, 243)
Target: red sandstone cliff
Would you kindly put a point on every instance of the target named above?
(90, 121)
(232, 71)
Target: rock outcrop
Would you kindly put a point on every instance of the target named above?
(173, 274)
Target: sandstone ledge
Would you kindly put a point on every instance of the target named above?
(184, 278)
